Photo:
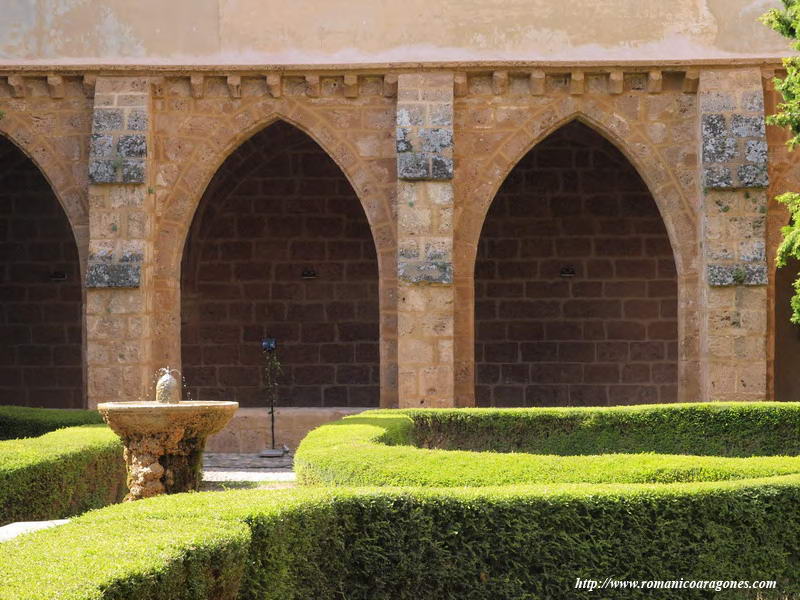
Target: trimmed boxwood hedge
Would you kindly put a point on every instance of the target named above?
(522, 541)
(641, 444)
(61, 473)
(511, 543)
(22, 421)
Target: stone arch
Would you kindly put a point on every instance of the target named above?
(41, 277)
(188, 178)
(668, 191)
(68, 190)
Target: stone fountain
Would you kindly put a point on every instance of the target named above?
(164, 440)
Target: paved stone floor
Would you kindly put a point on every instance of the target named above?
(12, 530)
(231, 471)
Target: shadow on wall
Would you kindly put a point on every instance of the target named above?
(281, 247)
(40, 291)
(787, 336)
(576, 288)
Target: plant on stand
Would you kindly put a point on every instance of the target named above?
(272, 373)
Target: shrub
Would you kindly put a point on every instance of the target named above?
(507, 543)
(21, 421)
(60, 474)
(704, 442)
(490, 542)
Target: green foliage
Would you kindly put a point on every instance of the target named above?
(489, 447)
(60, 474)
(512, 542)
(272, 374)
(509, 543)
(21, 421)
(118, 558)
(786, 21)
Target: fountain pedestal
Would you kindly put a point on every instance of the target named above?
(164, 442)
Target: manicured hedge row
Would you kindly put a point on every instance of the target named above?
(599, 445)
(711, 429)
(490, 543)
(22, 422)
(60, 474)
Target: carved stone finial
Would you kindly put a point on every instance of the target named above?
(168, 390)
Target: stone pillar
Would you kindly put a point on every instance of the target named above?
(120, 209)
(733, 161)
(425, 239)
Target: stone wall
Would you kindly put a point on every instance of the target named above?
(40, 291)
(471, 128)
(280, 247)
(576, 294)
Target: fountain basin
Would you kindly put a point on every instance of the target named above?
(164, 442)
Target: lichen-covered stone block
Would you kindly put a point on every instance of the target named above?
(717, 177)
(114, 275)
(749, 176)
(133, 171)
(119, 141)
(441, 168)
(718, 145)
(424, 132)
(435, 140)
(101, 144)
(738, 274)
(748, 125)
(107, 119)
(403, 140)
(413, 166)
(417, 272)
(132, 146)
(102, 171)
(137, 120)
(733, 135)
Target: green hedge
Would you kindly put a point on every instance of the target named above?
(711, 429)
(707, 442)
(22, 422)
(586, 517)
(60, 474)
(508, 543)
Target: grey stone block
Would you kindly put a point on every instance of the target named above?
(133, 170)
(756, 151)
(716, 102)
(719, 149)
(411, 115)
(752, 251)
(101, 145)
(132, 146)
(748, 126)
(717, 177)
(413, 166)
(756, 275)
(436, 140)
(718, 145)
(137, 120)
(107, 119)
(753, 175)
(425, 272)
(753, 101)
(408, 252)
(110, 275)
(403, 139)
(741, 274)
(102, 171)
(441, 168)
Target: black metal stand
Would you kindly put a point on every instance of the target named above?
(268, 347)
